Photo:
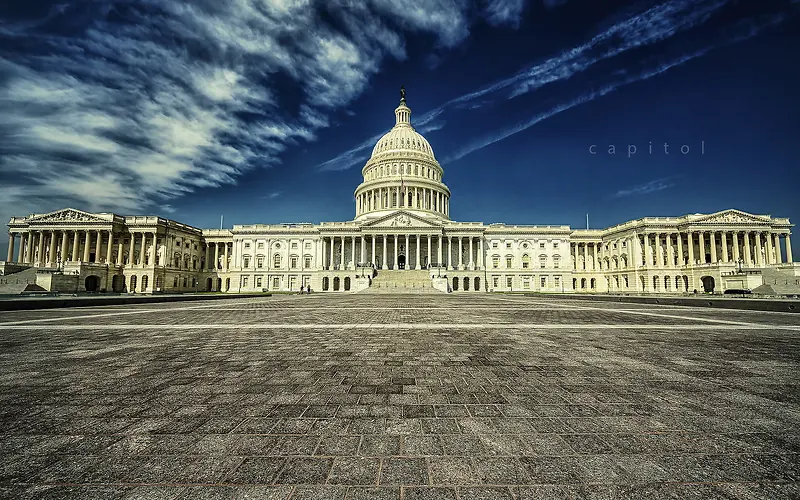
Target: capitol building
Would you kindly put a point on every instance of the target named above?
(402, 239)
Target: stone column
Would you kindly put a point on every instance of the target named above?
(480, 253)
(680, 249)
(449, 252)
(86, 245)
(713, 244)
(353, 249)
(595, 249)
(396, 250)
(659, 250)
(440, 258)
(11, 240)
(429, 249)
(21, 252)
(648, 250)
(142, 246)
(408, 251)
(690, 247)
(29, 247)
(702, 247)
(40, 249)
(788, 243)
(97, 244)
(724, 246)
(341, 261)
(736, 246)
(460, 252)
(208, 257)
(471, 242)
(76, 239)
(64, 238)
(384, 262)
(759, 262)
(363, 251)
(748, 258)
(216, 256)
(373, 248)
(768, 245)
(120, 248)
(109, 247)
(417, 264)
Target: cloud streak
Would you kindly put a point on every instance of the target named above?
(632, 30)
(646, 188)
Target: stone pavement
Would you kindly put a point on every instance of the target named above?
(399, 397)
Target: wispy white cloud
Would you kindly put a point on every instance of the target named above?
(128, 115)
(646, 188)
(643, 25)
(504, 12)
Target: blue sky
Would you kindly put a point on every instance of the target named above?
(265, 111)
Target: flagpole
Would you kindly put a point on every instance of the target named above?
(587, 221)
(221, 217)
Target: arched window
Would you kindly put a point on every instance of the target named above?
(495, 261)
(246, 261)
(325, 284)
(509, 261)
(144, 282)
(526, 261)
(477, 284)
(185, 282)
(259, 261)
(175, 282)
(276, 260)
(307, 262)
(132, 288)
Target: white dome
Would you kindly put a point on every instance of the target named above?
(403, 137)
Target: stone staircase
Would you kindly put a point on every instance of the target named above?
(402, 281)
(19, 282)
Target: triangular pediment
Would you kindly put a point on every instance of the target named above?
(732, 216)
(400, 220)
(68, 215)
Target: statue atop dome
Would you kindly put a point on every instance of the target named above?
(402, 93)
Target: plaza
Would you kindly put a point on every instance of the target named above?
(424, 396)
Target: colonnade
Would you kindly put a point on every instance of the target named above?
(416, 249)
(220, 248)
(46, 248)
(673, 248)
(411, 197)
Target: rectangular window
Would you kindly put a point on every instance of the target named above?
(294, 244)
(555, 244)
(246, 262)
(541, 245)
(544, 281)
(307, 262)
(276, 283)
(557, 281)
(247, 245)
(509, 282)
(508, 245)
(526, 283)
(308, 244)
(258, 281)
(495, 262)
(260, 244)
(494, 244)
(495, 281)
(294, 262)
(260, 262)
(244, 281)
(508, 262)
(525, 264)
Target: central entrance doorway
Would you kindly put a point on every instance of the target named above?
(401, 262)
